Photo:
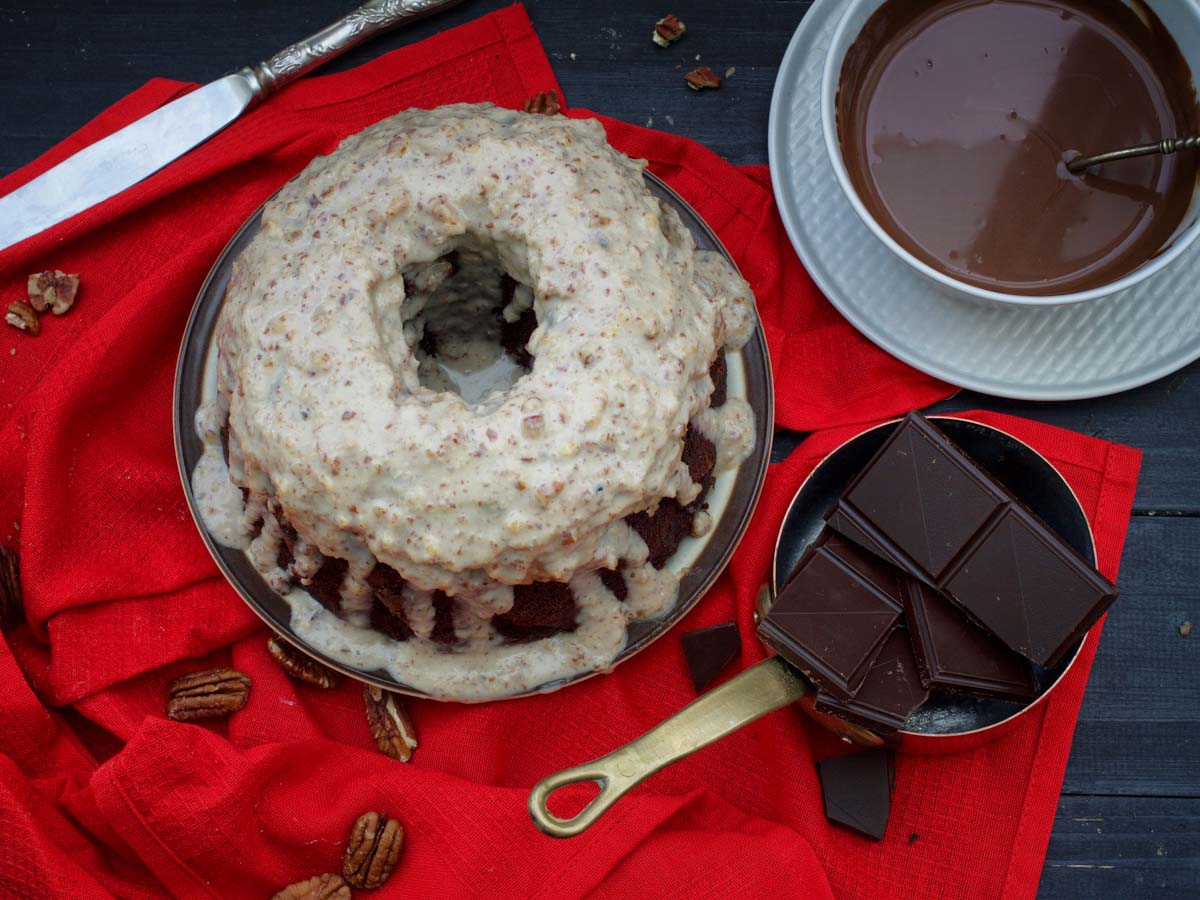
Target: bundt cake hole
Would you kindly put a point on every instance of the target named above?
(471, 321)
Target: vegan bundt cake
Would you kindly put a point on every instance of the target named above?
(471, 394)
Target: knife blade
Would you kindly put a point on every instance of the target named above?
(137, 151)
(122, 159)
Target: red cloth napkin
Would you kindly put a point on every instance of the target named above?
(102, 795)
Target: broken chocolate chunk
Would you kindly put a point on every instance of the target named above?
(891, 692)
(709, 650)
(857, 791)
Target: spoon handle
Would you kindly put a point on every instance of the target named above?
(1163, 148)
(761, 689)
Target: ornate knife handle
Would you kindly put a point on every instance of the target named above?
(369, 20)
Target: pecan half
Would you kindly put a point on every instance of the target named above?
(23, 316)
(544, 103)
(372, 851)
(319, 887)
(54, 291)
(301, 666)
(389, 723)
(702, 77)
(11, 603)
(668, 30)
(211, 694)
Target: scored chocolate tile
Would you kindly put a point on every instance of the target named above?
(891, 692)
(1024, 586)
(832, 617)
(955, 655)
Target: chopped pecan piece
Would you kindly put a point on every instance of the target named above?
(54, 291)
(301, 666)
(211, 694)
(702, 77)
(371, 854)
(319, 887)
(23, 316)
(390, 725)
(11, 604)
(667, 30)
(544, 103)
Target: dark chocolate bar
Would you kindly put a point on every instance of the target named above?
(924, 506)
(890, 694)
(709, 650)
(857, 790)
(955, 655)
(834, 614)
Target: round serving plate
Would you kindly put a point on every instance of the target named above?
(1028, 475)
(1089, 349)
(699, 561)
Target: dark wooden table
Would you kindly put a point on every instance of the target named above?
(1129, 818)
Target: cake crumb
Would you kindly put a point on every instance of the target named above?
(1185, 628)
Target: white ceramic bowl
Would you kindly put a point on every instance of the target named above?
(1180, 17)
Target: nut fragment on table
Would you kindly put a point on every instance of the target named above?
(23, 316)
(544, 103)
(702, 77)
(390, 724)
(668, 30)
(211, 694)
(301, 666)
(11, 603)
(372, 851)
(319, 887)
(54, 290)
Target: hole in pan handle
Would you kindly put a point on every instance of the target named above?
(761, 689)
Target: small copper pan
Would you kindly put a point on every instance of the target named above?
(945, 724)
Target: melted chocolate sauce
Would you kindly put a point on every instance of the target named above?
(956, 119)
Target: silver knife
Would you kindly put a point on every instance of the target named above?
(140, 149)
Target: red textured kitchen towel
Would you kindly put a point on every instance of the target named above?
(101, 795)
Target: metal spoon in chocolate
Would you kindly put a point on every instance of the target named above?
(1164, 148)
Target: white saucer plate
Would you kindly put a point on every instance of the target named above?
(1061, 353)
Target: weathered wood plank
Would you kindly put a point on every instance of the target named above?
(1123, 847)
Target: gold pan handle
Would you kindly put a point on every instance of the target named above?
(757, 691)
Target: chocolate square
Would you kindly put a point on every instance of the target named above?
(833, 616)
(1024, 586)
(921, 492)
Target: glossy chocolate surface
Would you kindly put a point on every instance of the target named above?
(955, 119)
(709, 650)
(955, 655)
(923, 505)
(833, 616)
(891, 692)
(857, 790)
